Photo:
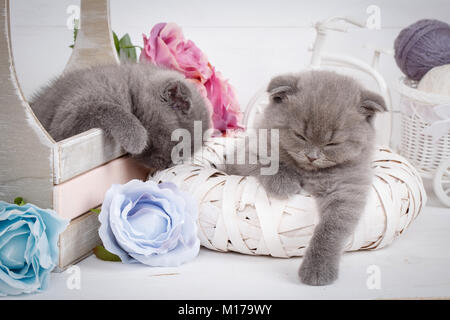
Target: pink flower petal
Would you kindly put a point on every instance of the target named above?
(166, 46)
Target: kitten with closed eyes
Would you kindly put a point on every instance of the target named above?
(326, 141)
(137, 105)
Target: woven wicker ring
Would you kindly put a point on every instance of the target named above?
(235, 213)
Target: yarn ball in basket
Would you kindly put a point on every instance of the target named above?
(436, 81)
(422, 46)
(236, 214)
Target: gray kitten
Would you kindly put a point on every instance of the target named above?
(137, 105)
(325, 123)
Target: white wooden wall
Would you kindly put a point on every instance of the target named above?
(248, 41)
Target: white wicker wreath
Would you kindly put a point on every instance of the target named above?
(235, 213)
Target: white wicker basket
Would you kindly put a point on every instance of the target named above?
(417, 114)
(236, 214)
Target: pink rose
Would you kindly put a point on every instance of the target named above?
(166, 46)
(226, 113)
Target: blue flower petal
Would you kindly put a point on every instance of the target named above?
(150, 223)
(105, 231)
(13, 251)
(28, 247)
(179, 255)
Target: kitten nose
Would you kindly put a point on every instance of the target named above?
(311, 158)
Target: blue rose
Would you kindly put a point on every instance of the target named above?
(155, 224)
(28, 247)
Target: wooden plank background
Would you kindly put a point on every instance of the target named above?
(25, 149)
(248, 41)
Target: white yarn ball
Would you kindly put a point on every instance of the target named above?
(436, 81)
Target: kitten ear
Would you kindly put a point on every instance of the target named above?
(371, 103)
(282, 86)
(178, 95)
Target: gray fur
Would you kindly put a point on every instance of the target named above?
(137, 105)
(329, 118)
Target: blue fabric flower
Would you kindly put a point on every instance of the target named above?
(28, 247)
(155, 224)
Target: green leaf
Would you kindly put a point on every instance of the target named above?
(97, 211)
(76, 24)
(116, 42)
(125, 41)
(75, 34)
(124, 47)
(103, 254)
(127, 49)
(19, 201)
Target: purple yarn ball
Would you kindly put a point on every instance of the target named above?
(422, 46)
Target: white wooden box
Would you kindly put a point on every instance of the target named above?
(69, 176)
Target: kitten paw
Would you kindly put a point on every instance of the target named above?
(280, 186)
(318, 272)
(134, 141)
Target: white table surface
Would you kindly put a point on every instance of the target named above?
(416, 265)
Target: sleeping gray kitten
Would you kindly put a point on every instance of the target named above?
(137, 105)
(325, 124)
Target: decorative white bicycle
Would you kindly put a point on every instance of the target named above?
(321, 59)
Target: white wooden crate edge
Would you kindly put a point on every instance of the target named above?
(32, 164)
